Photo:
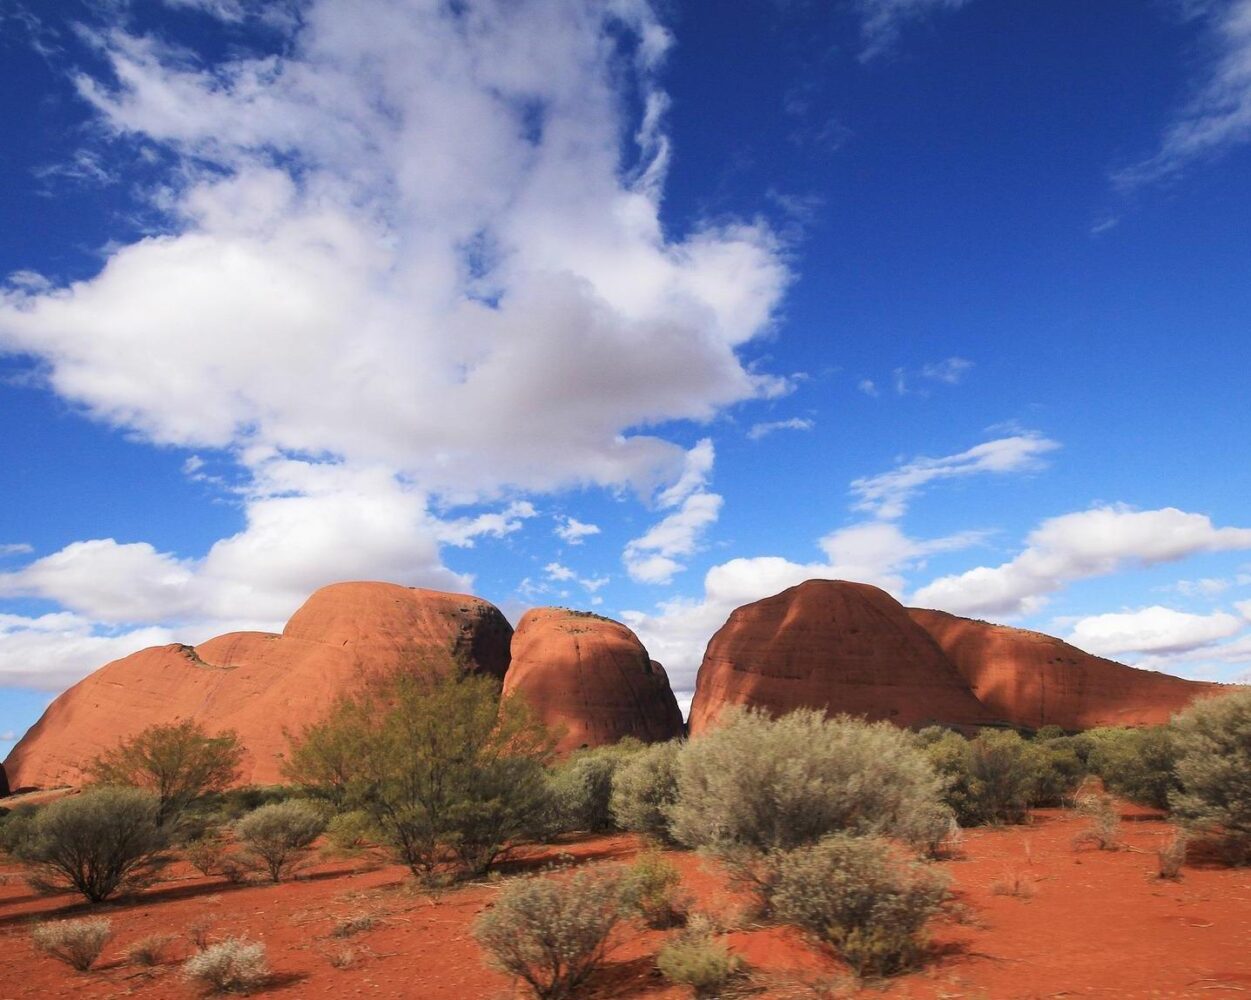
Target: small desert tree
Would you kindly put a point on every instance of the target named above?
(582, 786)
(179, 762)
(1214, 770)
(96, 843)
(279, 835)
(441, 767)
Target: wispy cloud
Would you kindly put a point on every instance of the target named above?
(883, 21)
(1217, 116)
(572, 531)
(768, 427)
(654, 557)
(887, 494)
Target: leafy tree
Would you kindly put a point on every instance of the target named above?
(98, 842)
(991, 779)
(644, 789)
(582, 786)
(179, 762)
(440, 766)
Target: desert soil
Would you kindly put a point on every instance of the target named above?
(1035, 918)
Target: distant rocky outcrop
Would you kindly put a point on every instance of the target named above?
(834, 646)
(590, 678)
(1029, 679)
(262, 685)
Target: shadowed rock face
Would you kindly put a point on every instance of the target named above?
(259, 684)
(835, 646)
(592, 677)
(1030, 679)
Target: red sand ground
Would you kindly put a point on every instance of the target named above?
(1088, 923)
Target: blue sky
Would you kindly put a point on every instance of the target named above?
(654, 309)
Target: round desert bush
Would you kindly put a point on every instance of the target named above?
(759, 785)
(552, 932)
(857, 895)
(695, 958)
(77, 943)
(1136, 764)
(278, 836)
(1060, 766)
(649, 891)
(581, 787)
(98, 842)
(991, 779)
(235, 965)
(644, 788)
(1213, 739)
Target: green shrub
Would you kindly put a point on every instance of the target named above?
(856, 895)
(441, 767)
(1213, 740)
(755, 784)
(1060, 766)
(581, 788)
(77, 943)
(644, 789)
(235, 965)
(98, 842)
(279, 836)
(695, 958)
(649, 891)
(552, 932)
(178, 762)
(991, 779)
(1136, 764)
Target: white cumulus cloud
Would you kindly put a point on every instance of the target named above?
(1154, 629)
(1075, 546)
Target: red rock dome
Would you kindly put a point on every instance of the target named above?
(263, 685)
(836, 646)
(590, 677)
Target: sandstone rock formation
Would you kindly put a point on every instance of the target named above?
(1030, 679)
(836, 646)
(260, 684)
(591, 677)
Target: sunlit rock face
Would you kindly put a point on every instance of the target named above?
(590, 679)
(836, 646)
(1030, 679)
(261, 685)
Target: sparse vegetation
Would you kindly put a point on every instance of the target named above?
(1100, 809)
(77, 943)
(150, 951)
(857, 895)
(96, 843)
(278, 836)
(1213, 742)
(178, 763)
(1172, 856)
(552, 932)
(695, 958)
(762, 785)
(442, 768)
(235, 965)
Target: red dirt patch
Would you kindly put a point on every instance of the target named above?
(1086, 923)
